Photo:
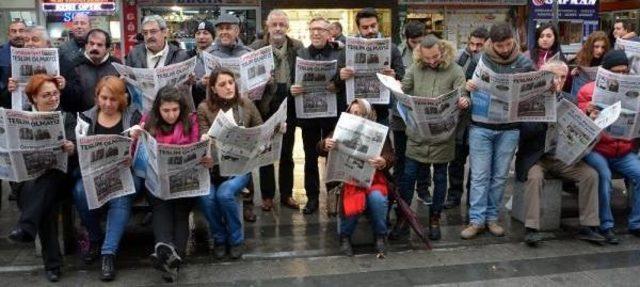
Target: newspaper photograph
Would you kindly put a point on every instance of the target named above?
(508, 98)
(575, 133)
(367, 57)
(212, 62)
(357, 141)
(632, 49)
(611, 88)
(240, 150)
(147, 82)
(317, 101)
(26, 62)
(174, 171)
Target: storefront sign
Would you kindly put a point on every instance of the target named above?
(567, 9)
(78, 5)
(130, 24)
(199, 2)
(458, 2)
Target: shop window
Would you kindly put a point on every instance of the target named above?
(570, 32)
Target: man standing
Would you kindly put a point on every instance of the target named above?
(74, 48)
(313, 130)
(492, 146)
(156, 51)
(204, 44)
(466, 56)
(95, 64)
(413, 33)
(285, 51)
(336, 32)
(17, 35)
(623, 29)
(367, 22)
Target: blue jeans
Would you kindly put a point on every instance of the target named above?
(222, 211)
(377, 209)
(576, 83)
(629, 166)
(490, 154)
(400, 147)
(118, 212)
(412, 171)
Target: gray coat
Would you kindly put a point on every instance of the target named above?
(130, 117)
(137, 58)
(233, 51)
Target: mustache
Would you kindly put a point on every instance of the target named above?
(94, 52)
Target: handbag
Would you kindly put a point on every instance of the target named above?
(333, 200)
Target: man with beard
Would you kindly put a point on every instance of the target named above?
(156, 51)
(74, 48)
(93, 66)
(285, 51)
(204, 44)
(16, 39)
(492, 146)
(367, 22)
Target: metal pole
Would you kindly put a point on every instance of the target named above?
(554, 15)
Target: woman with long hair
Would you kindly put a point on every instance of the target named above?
(546, 46)
(593, 49)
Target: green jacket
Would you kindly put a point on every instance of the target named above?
(422, 81)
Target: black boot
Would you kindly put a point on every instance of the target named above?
(380, 250)
(108, 271)
(434, 227)
(345, 245)
(53, 275)
(92, 254)
(400, 230)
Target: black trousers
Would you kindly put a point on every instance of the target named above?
(285, 170)
(39, 202)
(311, 135)
(456, 169)
(171, 221)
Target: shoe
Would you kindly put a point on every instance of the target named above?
(53, 275)
(635, 232)
(610, 237)
(345, 245)
(19, 235)
(248, 215)
(452, 202)
(380, 250)
(587, 233)
(434, 227)
(92, 254)
(495, 229)
(532, 237)
(471, 231)
(165, 258)
(171, 275)
(235, 252)
(425, 199)
(400, 230)
(311, 207)
(267, 204)
(108, 270)
(219, 251)
(290, 203)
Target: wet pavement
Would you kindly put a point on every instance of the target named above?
(286, 248)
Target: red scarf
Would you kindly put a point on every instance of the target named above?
(354, 198)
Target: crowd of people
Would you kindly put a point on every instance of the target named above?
(89, 87)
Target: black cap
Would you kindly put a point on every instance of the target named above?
(225, 18)
(614, 58)
(206, 25)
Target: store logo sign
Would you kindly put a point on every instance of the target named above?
(565, 2)
(78, 7)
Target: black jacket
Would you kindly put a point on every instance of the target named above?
(530, 147)
(137, 58)
(88, 74)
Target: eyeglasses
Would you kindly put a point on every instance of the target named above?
(150, 32)
(318, 30)
(281, 25)
(49, 95)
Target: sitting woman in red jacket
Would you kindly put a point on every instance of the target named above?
(612, 154)
(356, 200)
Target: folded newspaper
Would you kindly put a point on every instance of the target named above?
(508, 98)
(575, 134)
(175, 171)
(30, 144)
(611, 88)
(367, 57)
(434, 119)
(632, 49)
(357, 141)
(252, 69)
(26, 62)
(239, 150)
(317, 101)
(144, 84)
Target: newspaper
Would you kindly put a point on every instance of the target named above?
(632, 49)
(315, 76)
(575, 134)
(508, 98)
(26, 62)
(367, 57)
(357, 141)
(174, 171)
(102, 164)
(588, 73)
(611, 88)
(428, 118)
(240, 150)
(252, 69)
(30, 144)
(145, 83)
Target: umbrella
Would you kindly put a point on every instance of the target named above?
(411, 218)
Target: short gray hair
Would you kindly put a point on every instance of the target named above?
(277, 12)
(155, 18)
(44, 34)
